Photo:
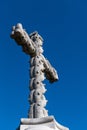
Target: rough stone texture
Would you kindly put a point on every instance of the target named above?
(45, 123)
(39, 69)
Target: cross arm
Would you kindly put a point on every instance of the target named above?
(23, 39)
(50, 72)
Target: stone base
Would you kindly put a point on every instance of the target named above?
(45, 123)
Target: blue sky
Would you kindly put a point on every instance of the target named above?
(63, 26)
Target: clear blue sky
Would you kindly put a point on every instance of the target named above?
(63, 25)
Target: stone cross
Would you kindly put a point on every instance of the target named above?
(39, 69)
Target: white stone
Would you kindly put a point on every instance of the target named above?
(39, 69)
(45, 123)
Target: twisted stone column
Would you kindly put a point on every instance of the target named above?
(37, 99)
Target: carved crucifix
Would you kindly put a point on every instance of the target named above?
(39, 69)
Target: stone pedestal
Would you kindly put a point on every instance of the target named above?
(45, 123)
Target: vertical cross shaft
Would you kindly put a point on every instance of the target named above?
(39, 68)
(37, 99)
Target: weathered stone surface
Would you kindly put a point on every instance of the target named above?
(39, 69)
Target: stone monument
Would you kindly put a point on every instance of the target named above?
(40, 68)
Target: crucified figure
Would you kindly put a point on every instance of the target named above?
(39, 69)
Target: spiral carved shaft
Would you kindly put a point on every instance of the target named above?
(39, 65)
(37, 99)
